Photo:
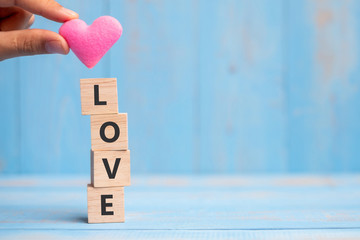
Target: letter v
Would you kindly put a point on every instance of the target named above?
(107, 167)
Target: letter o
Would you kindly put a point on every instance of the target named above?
(116, 129)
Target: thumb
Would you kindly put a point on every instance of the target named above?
(31, 42)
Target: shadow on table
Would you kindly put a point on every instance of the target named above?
(42, 215)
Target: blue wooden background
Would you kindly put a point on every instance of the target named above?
(209, 87)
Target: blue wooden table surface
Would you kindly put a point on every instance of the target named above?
(180, 207)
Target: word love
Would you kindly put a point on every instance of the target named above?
(110, 157)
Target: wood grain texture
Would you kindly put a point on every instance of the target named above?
(332, 234)
(221, 207)
(235, 86)
(107, 99)
(156, 63)
(10, 111)
(322, 68)
(114, 128)
(105, 205)
(242, 121)
(119, 175)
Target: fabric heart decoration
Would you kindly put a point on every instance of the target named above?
(90, 43)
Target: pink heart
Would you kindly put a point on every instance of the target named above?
(90, 43)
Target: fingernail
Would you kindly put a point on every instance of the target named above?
(70, 13)
(55, 46)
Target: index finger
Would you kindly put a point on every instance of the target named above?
(49, 9)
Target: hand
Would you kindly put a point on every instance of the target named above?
(16, 16)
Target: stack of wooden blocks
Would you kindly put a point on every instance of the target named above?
(110, 157)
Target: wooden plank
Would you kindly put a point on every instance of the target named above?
(260, 203)
(243, 125)
(156, 63)
(98, 96)
(333, 234)
(322, 75)
(10, 121)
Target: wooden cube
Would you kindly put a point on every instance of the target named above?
(105, 204)
(109, 132)
(110, 168)
(98, 96)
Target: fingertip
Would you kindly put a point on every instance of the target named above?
(50, 9)
(59, 46)
(54, 46)
(31, 21)
(69, 14)
(65, 45)
(66, 49)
